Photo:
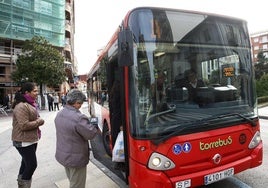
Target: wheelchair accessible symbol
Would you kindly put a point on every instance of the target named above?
(186, 148)
(177, 149)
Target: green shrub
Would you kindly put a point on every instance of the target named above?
(263, 99)
(262, 86)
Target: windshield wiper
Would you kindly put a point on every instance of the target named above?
(172, 108)
(252, 122)
(177, 131)
(204, 122)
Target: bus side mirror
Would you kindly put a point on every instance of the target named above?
(125, 48)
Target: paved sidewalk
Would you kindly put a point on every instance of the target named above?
(49, 173)
(95, 178)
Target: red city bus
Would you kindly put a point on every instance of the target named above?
(185, 98)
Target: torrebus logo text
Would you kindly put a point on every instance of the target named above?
(216, 144)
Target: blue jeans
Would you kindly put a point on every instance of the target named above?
(28, 162)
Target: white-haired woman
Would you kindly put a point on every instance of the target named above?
(73, 130)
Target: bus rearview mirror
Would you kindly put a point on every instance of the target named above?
(125, 46)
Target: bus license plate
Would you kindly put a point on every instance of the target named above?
(211, 178)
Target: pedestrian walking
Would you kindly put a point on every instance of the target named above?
(50, 102)
(73, 130)
(63, 99)
(103, 98)
(56, 101)
(6, 101)
(26, 132)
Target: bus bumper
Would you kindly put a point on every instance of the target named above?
(141, 176)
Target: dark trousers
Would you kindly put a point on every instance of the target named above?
(50, 106)
(28, 162)
(56, 106)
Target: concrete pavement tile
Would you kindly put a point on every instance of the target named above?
(62, 184)
(95, 178)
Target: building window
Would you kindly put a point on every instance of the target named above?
(264, 46)
(256, 47)
(2, 71)
(256, 39)
(264, 39)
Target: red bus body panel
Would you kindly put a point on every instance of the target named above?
(198, 162)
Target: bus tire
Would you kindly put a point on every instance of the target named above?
(106, 139)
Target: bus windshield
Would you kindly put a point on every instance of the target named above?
(190, 71)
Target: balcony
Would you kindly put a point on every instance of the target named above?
(7, 55)
(68, 7)
(67, 26)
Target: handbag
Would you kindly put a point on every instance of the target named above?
(118, 150)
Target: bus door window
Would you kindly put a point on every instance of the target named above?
(115, 110)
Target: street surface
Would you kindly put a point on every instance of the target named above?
(50, 171)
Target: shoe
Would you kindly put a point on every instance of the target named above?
(119, 166)
(24, 183)
(19, 177)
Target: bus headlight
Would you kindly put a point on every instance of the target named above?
(255, 140)
(158, 161)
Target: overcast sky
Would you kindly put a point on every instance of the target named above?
(96, 21)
